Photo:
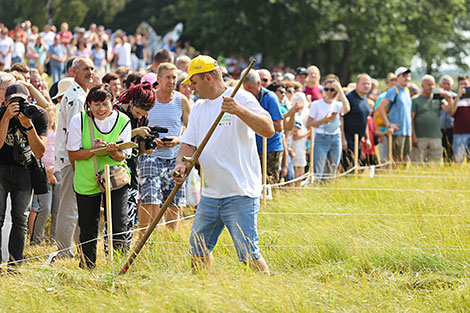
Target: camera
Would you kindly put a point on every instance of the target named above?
(150, 143)
(28, 109)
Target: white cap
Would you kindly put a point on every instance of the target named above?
(402, 70)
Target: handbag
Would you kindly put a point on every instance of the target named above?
(39, 181)
(118, 176)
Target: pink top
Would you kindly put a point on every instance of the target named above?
(315, 92)
(48, 158)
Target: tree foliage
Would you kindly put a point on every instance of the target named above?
(340, 36)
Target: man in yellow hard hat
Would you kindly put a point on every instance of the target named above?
(232, 172)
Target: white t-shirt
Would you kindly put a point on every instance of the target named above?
(5, 45)
(74, 136)
(48, 38)
(123, 53)
(319, 109)
(230, 160)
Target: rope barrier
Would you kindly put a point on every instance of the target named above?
(53, 254)
(362, 214)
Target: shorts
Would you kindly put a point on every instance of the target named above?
(238, 214)
(156, 182)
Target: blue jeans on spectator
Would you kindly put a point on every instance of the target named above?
(461, 147)
(56, 72)
(16, 181)
(326, 154)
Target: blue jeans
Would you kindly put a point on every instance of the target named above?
(56, 72)
(326, 154)
(16, 181)
(461, 147)
(238, 214)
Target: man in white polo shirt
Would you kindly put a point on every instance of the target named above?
(232, 171)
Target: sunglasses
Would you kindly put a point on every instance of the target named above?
(290, 91)
(282, 91)
(264, 80)
(329, 89)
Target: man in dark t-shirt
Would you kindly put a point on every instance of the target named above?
(20, 137)
(355, 121)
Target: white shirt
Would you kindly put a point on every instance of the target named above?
(230, 160)
(319, 109)
(123, 54)
(74, 136)
(5, 45)
(48, 38)
(72, 103)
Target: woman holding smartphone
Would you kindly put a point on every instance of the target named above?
(325, 117)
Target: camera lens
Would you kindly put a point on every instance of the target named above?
(30, 111)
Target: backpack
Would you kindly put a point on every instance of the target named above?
(377, 119)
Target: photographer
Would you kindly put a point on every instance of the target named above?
(23, 131)
(135, 102)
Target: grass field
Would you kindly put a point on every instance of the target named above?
(393, 243)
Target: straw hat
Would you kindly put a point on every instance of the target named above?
(62, 86)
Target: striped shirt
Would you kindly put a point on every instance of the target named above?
(170, 116)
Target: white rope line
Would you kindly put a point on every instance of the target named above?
(326, 176)
(362, 214)
(382, 189)
(412, 176)
(327, 246)
(55, 253)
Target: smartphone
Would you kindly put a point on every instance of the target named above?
(466, 95)
(437, 94)
(166, 139)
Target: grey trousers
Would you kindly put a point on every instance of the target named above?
(67, 216)
(48, 205)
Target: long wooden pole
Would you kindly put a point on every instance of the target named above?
(312, 134)
(390, 152)
(191, 161)
(109, 219)
(265, 169)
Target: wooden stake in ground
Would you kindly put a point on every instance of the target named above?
(390, 152)
(265, 169)
(312, 134)
(356, 153)
(109, 219)
(190, 161)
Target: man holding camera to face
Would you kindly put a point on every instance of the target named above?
(23, 132)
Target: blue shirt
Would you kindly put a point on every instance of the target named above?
(400, 112)
(59, 51)
(270, 102)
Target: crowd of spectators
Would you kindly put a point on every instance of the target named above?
(426, 124)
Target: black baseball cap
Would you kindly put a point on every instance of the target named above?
(16, 90)
(301, 71)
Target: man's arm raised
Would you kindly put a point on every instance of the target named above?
(260, 123)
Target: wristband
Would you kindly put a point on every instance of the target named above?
(29, 128)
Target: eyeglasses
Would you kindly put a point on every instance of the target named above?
(290, 91)
(281, 91)
(329, 89)
(264, 80)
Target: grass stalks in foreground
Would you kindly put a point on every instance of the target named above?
(384, 250)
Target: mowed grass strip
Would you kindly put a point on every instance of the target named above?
(350, 250)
